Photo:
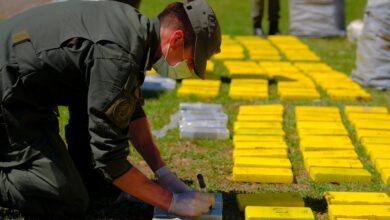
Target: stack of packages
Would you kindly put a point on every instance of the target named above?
(201, 120)
(280, 70)
(201, 88)
(230, 50)
(259, 48)
(328, 152)
(292, 83)
(248, 89)
(299, 87)
(336, 84)
(372, 126)
(357, 205)
(248, 80)
(293, 48)
(245, 69)
(274, 206)
(260, 152)
(156, 83)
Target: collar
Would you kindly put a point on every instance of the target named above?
(152, 41)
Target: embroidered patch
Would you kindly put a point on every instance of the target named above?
(20, 37)
(120, 112)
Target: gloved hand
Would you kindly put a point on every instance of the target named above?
(170, 182)
(191, 204)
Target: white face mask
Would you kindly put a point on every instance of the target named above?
(178, 71)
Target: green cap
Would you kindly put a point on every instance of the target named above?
(207, 33)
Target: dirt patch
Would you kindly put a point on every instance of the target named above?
(9, 8)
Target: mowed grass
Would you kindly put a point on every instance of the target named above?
(212, 158)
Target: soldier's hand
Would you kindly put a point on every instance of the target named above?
(170, 182)
(191, 204)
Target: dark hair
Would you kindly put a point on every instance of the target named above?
(175, 16)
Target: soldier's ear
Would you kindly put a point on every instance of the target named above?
(177, 38)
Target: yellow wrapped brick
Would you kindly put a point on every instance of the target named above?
(205, 93)
(353, 219)
(369, 124)
(246, 82)
(381, 164)
(272, 153)
(320, 114)
(322, 131)
(321, 125)
(342, 154)
(385, 174)
(201, 83)
(366, 109)
(264, 57)
(260, 109)
(254, 118)
(242, 145)
(339, 175)
(372, 133)
(286, 90)
(265, 108)
(240, 161)
(339, 163)
(357, 198)
(262, 175)
(330, 139)
(239, 124)
(234, 54)
(374, 155)
(309, 138)
(287, 199)
(278, 213)
(373, 116)
(336, 212)
(309, 66)
(348, 95)
(241, 137)
(245, 74)
(152, 71)
(318, 118)
(260, 131)
(302, 95)
(246, 95)
(376, 140)
(309, 109)
(298, 85)
(210, 66)
(323, 146)
(248, 89)
(376, 147)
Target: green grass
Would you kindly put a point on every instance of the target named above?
(234, 17)
(213, 157)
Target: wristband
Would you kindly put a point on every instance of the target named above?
(162, 171)
(173, 203)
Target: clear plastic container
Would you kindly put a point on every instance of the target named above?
(156, 82)
(202, 132)
(200, 107)
(191, 116)
(203, 124)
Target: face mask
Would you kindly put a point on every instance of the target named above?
(178, 71)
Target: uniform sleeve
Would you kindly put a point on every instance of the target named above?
(111, 104)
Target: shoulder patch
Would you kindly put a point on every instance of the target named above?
(120, 112)
(20, 37)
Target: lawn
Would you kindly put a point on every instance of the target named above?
(212, 158)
